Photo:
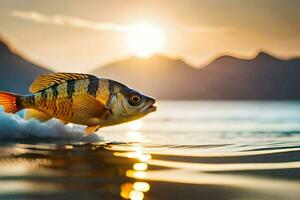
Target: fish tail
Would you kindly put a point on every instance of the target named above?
(11, 102)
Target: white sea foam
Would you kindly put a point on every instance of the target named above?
(13, 127)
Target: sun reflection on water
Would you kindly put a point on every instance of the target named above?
(136, 195)
(140, 166)
(136, 190)
(141, 186)
(135, 134)
(136, 125)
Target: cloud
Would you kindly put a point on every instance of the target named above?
(64, 20)
(13, 127)
(209, 29)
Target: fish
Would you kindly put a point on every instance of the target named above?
(80, 99)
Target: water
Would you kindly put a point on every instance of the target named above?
(186, 150)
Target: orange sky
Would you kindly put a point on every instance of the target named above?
(194, 30)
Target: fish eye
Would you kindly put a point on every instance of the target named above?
(134, 99)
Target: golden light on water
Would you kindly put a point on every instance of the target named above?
(137, 154)
(134, 134)
(140, 166)
(133, 154)
(126, 188)
(136, 174)
(145, 157)
(135, 191)
(136, 195)
(141, 186)
(67, 146)
(144, 39)
(136, 125)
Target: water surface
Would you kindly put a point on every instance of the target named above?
(187, 150)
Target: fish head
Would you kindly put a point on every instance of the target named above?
(127, 104)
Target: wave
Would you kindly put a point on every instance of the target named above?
(14, 127)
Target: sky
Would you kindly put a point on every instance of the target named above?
(81, 35)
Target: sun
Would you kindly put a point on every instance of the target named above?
(144, 39)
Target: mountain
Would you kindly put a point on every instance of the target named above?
(263, 77)
(16, 73)
(159, 76)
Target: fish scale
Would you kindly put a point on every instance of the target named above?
(57, 99)
(79, 98)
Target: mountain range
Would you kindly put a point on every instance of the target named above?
(264, 77)
(17, 73)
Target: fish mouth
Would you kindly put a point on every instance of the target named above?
(151, 107)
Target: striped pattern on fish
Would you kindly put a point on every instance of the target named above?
(80, 98)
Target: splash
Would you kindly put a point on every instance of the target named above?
(14, 127)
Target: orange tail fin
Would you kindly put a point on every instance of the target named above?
(11, 102)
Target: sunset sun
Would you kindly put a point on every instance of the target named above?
(144, 39)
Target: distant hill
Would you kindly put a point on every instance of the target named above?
(16, 73)
(264, 77)
(159, 76)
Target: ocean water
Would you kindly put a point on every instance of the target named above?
(186, 150)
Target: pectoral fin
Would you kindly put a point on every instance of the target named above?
(89, 107)
(36, 114)
(91, 129)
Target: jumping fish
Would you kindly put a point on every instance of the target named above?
(81, 99)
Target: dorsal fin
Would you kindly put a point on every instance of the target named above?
(48, 80)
